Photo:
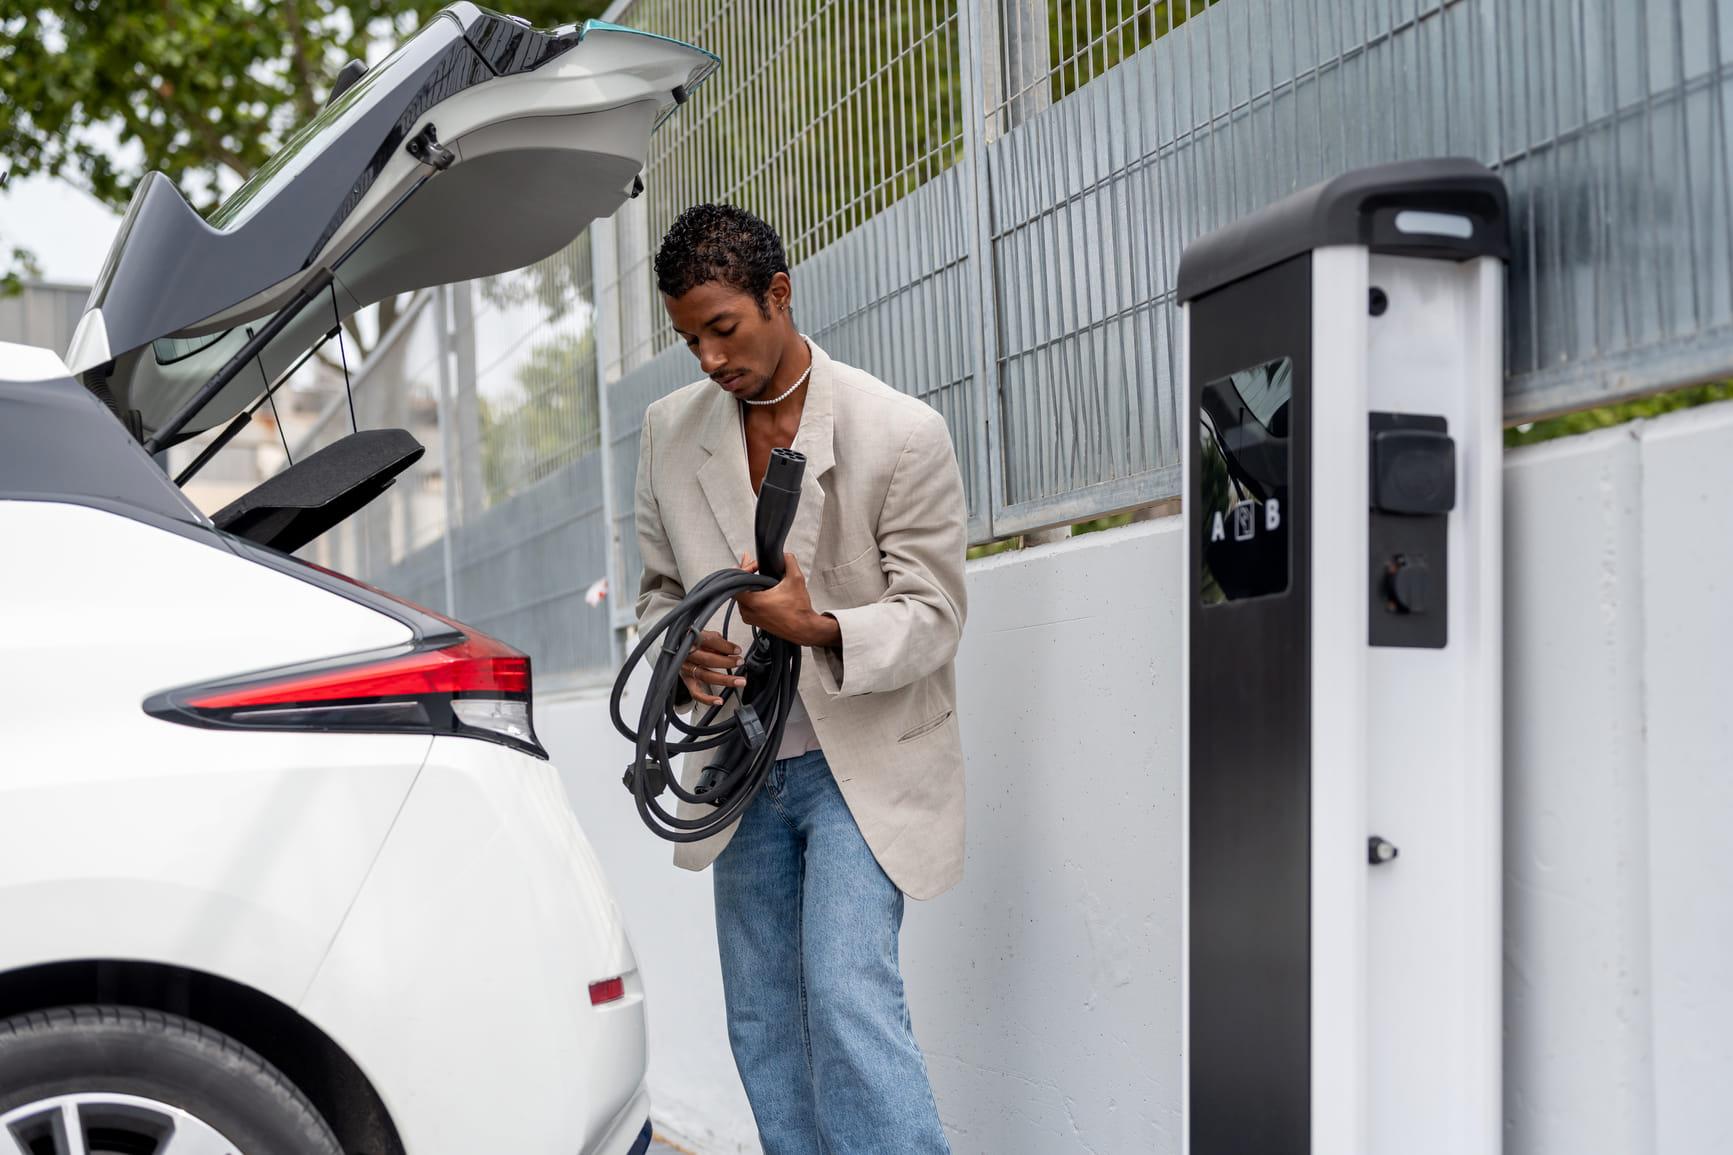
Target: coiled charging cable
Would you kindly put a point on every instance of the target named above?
(750, 737)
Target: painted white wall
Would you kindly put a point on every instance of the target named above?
(1045, 988)
(1619, 790)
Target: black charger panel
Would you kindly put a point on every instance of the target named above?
(1250, 771)
(1413, 490)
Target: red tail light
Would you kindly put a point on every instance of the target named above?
(447, 679)
(453, 683)
(476, 665)
(607, 991)
(449, 684)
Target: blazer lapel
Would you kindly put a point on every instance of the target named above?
(728, 488)
(723, 476)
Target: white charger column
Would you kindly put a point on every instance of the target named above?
(1344, 368)
(1434, 711)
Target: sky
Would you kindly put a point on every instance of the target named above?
(70, 232)
(68, 229)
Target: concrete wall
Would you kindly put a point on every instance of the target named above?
(1619, 790)
(1045, 988)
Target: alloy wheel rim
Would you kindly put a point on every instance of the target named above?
(108, 1123)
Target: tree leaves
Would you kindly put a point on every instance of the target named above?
(99, 93)
(1606, 416)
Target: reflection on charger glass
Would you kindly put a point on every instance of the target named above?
(1243, 478)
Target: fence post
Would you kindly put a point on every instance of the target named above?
(1015, 61)
(602, 261)
(1026, 68)
(440, 304)
(468, 407)
(633, 247)
(979, 40)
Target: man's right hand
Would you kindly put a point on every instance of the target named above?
(709, 664)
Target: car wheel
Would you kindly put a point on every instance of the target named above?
(127, 1081)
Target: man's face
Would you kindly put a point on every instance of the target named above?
(737, 346)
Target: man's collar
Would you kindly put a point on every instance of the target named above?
(816, 438)
(723, 475)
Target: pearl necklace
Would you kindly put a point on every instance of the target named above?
(799, 381)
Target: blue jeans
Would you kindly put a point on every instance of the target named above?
(807, 924)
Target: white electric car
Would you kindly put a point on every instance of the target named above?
(283, 868)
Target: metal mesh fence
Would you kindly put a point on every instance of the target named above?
(986, 201)
(397, 541)
(826, 114)
(535, 368)
(842, 123)
(502, 522)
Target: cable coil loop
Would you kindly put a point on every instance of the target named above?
(749, 737)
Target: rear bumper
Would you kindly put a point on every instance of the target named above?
(460, 979)
(630, 1133)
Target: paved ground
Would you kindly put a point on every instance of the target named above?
(660, 1148)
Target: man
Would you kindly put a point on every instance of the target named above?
(865, 801)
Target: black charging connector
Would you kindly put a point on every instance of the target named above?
(653, 776)
(751, 728)
(745, 740)
(778, 502)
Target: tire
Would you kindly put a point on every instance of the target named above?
(142, 1065)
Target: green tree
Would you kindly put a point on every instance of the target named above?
(551, 418)
(99, 93)
(1087, 37)
(1606, 416)
(24, 267)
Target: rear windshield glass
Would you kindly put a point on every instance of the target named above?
(288, 161)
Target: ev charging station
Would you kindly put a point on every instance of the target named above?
(1344, 365)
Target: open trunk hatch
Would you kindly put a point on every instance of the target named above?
(479, 146)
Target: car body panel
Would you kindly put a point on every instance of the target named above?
(428, 902)
(58, 441)
(129, 837)
(462, 973)
(29, 363)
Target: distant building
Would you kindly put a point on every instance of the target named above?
(257, 452)
(43, 314)
(46, 314)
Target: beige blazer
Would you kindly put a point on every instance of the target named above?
(881, 536)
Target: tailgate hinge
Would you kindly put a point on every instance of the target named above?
(424, 146)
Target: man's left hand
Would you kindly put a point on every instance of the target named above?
(785, 610)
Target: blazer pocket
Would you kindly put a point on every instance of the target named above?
(927, 727)
(862, 573)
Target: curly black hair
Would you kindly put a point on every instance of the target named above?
(720, 242)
